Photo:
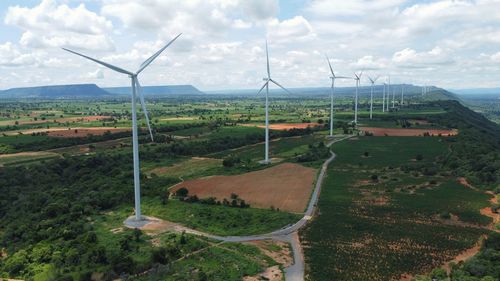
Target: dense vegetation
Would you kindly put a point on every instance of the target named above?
(475, 151)
(49, 214)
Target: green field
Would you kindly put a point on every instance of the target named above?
(380, 229)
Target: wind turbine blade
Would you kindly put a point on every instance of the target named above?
(143, 105)
(115, 68)
(263, 86)
(155, 55)
(330, 65)
(267, 57)
(277, 84)
(342, 77)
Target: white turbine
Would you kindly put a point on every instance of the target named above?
(136, 87)
(402, 93)
(266, 85)
(357, 77)
(388, 95)
(383, 98)
(394, 98)
(332, 93)
(372, 81)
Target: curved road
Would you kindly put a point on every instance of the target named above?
(287, 234)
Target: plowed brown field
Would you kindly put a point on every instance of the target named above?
(286, 186)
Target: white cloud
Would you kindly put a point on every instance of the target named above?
(369, 63)
(296, 28)
(410, 58)
(10, 55)
(194, 17)
(52, 25)
(97, 74)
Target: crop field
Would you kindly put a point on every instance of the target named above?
(285, 126)
(286, 187)
(399, 132)
(382, 218)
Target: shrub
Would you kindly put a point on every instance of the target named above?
(182, 192)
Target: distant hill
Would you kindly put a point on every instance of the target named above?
(55, 92)
(93, 91)
(158, 90)
(434, 93)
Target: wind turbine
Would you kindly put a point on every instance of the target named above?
(357, 77)
(266, 85)
(136, 87)
(383, 98)
(372, 81)
(332, 93)
(402, 93)
(388, 95)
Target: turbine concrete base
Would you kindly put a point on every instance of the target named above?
(132, 222)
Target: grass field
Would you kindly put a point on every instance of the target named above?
(397, 224)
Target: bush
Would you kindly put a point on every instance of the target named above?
(182, 192)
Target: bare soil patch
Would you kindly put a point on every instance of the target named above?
(279, 251)
(272, 273)
(286, 186)
(401, 132)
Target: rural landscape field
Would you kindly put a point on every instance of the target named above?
(138, 141)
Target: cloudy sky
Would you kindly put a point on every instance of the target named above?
(452, 44)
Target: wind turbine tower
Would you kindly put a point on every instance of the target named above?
(383, 98)
(136, 89)
(357, 77)
(267, 80)
(402, 93)
(388, 95)
(372, 81)
(332, 93)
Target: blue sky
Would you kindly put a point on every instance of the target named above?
(452, 44)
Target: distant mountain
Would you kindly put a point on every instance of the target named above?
(56, 92)
(413, 91)
(159, 90)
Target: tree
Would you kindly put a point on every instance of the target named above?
(182, 192)
(159, 255)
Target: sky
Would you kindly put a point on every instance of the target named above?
(450, 44)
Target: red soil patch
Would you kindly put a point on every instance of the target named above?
(286, 126)
(397, 132)
(83, 132)
(465, 255)
(286, 186)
